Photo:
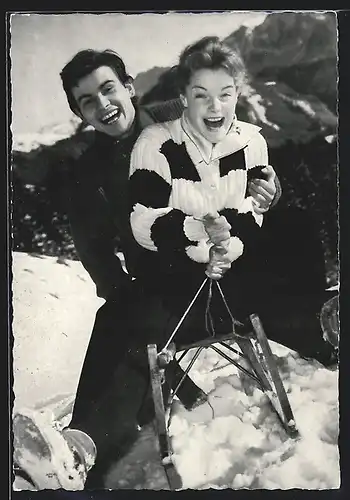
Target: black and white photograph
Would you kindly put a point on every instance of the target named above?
(174, 250)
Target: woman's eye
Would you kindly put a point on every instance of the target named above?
(200, 96)
(226, 96)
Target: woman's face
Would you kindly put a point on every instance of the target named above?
(210, 99)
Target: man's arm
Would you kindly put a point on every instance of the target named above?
(97, 254)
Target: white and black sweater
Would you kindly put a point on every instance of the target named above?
(176, 178)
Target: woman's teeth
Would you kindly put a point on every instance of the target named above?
(213, 122)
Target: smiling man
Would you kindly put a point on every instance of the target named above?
(104, 101)
(112, 385)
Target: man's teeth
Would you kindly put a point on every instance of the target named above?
(214, 119)
(111, 116)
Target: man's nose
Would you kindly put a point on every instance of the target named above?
(102, 101)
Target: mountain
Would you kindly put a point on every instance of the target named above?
(299, 50)
(291, 61)
(291, 95)
(146, 80)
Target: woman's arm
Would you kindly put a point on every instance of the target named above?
(246, 220)
(157, 226)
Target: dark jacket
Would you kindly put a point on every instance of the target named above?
(98, 208)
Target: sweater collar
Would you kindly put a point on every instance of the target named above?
(200, 149)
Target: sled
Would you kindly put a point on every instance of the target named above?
(249, 342)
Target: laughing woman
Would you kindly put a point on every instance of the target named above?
(189, 185)
(199, 188)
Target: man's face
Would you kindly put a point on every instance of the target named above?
(210, 99)
(104, 102)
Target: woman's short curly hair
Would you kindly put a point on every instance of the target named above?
(210, 53)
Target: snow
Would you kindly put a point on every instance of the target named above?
(235, 442)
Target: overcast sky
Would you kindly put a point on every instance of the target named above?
(41, 44)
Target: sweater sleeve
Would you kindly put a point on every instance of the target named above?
(157, 226)
(245, 222)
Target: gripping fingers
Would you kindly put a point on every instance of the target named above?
(262, 187)
(216, 271)
(269, 172)
(218, 230)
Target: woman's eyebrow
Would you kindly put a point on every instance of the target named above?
(204, 88)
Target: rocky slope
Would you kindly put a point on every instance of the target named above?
(291, 61)
(292, 95)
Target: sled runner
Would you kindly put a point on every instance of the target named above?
(253, 347)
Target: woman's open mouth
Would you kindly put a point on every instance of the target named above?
(111, 117)
(213, 123)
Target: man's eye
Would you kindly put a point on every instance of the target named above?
(109, 88)
(86, 103)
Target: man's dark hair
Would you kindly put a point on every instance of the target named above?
(84, 63)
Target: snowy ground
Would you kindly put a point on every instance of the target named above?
(243, 446)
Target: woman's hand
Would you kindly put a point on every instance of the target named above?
(263, 190)
(217, 228)
(219, 262)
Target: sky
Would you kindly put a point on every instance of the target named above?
(41, 44)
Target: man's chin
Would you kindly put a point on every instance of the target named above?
(114, 130)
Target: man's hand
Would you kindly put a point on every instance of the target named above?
(218, 262)
(263, 190)
(217, 228)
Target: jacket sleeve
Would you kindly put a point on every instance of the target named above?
(97, 254)
(278, 193)
(155, 225)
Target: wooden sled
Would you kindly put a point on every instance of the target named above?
(253, 346)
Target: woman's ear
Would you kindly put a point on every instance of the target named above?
(131, 88)
(183, 100)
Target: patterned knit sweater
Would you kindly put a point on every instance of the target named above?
(177, 177)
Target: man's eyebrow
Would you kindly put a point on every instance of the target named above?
(84, 96)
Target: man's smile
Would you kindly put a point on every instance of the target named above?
(111, 117)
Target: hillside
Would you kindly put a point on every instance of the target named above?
(291, 59)
(241, 446)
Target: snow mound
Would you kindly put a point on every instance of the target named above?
(234, 442)
(237, 441)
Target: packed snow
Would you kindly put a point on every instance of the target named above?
(235, 442)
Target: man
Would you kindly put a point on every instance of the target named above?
(112, 388)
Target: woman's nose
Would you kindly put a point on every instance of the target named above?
(214, 104)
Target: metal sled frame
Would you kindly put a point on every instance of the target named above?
(253, 347)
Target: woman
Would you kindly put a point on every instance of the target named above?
(189, 179)
(189, 188)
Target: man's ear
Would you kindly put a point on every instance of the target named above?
(130, 86)
(183, 100)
